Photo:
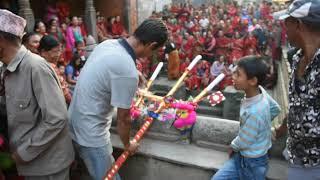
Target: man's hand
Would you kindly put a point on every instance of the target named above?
(16, 157)
(142, 80)
(230, 152)
(132, 147)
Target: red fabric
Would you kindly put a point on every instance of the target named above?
(237, 49)
(193, 81)
(83, 30)
(139, 65)
(276, 51)
(222, 45)
(63, 10)
(183, 67)
(188, 47)
(236, 21)
(214, 11)
(68, 55)
(232, 11)
(201, 41)
(182, 55)
(178, 40)
(117, 28)
(174, 9)
(265, 12)
(250, 43)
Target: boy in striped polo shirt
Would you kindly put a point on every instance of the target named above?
(248, 151)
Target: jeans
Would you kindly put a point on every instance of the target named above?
(242, 168)
(61, 175)
(98, 160)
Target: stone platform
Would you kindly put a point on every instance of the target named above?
(158, 160)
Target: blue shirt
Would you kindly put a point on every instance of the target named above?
(70, 71)
(256, 115)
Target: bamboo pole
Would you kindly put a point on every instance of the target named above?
(148, 121)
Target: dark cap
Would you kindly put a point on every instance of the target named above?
(306, 10)
(47, 43)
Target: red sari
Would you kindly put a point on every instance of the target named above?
(193, 81)
(117, 29)
(237, 49)
(183, 67)
(250, 43)
(232, 11)
(178, 40)
(222, 46)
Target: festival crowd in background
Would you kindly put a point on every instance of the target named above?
(222, 33)
(66, 41)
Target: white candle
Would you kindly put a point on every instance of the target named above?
(216, 81)
(156, 72)
(194, 62)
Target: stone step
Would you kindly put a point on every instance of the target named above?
(215, 111)
(159, 160)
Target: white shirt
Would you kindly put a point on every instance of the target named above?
(204, 23)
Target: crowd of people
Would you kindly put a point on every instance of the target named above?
(66, 44)
(222, 33)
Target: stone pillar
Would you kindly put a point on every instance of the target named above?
(131, 6)
(26, 12)
(90, 19)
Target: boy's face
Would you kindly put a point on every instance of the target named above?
(61, 70)
(240, 79)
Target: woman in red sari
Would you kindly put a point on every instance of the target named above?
(177, 38)
(237, 47)
(184, 65)
(250, 42)
(117, 28)
(222, 44)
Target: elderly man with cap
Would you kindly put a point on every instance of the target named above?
(302, 21)
(35, 107)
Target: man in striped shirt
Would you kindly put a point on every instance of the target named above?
(248, 151)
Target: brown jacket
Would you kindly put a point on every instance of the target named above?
(37, 116)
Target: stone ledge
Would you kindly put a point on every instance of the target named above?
(194, 156)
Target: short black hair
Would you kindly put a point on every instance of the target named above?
(36, 25)
(152, 30)
(47, 43)
(254, 66)
(27, 36)
(11, 38)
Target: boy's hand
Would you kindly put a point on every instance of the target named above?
(230, 152)
(283, 129)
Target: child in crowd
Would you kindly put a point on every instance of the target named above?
(218, 67)
(249, 150)
(72, 70)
